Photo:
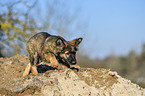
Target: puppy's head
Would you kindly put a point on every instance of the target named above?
(68, 53)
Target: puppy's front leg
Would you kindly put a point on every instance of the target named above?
(52, 59)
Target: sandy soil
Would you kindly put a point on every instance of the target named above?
(65, 82)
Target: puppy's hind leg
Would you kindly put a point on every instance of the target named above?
(27, 70)
(36, 61)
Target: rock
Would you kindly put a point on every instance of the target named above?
(66, 82)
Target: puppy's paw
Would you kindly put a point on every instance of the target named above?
(34, 70)
(75, 67)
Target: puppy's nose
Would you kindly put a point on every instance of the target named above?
(73, 62)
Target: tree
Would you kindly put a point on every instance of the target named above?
(20, 19)
(141, 61)
(57, 18)
(132, 64)
(16, 25)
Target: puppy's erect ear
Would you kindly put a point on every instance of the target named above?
(59, 43)
(76, 42)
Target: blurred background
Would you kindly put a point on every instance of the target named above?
(113, 31)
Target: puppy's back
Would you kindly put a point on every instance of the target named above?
(35, 43)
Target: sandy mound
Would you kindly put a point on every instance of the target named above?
(66, 82)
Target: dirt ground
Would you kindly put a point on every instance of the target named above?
(86, 80)
(11, 71)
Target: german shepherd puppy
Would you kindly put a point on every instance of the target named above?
(43, 47)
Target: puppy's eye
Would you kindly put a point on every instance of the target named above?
(76, 48)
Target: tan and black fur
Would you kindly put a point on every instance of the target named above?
(43, 47)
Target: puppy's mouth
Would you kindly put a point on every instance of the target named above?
(71, 65)
(67, 62)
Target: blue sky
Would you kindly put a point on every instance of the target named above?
(113, 26)
(116, 26)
